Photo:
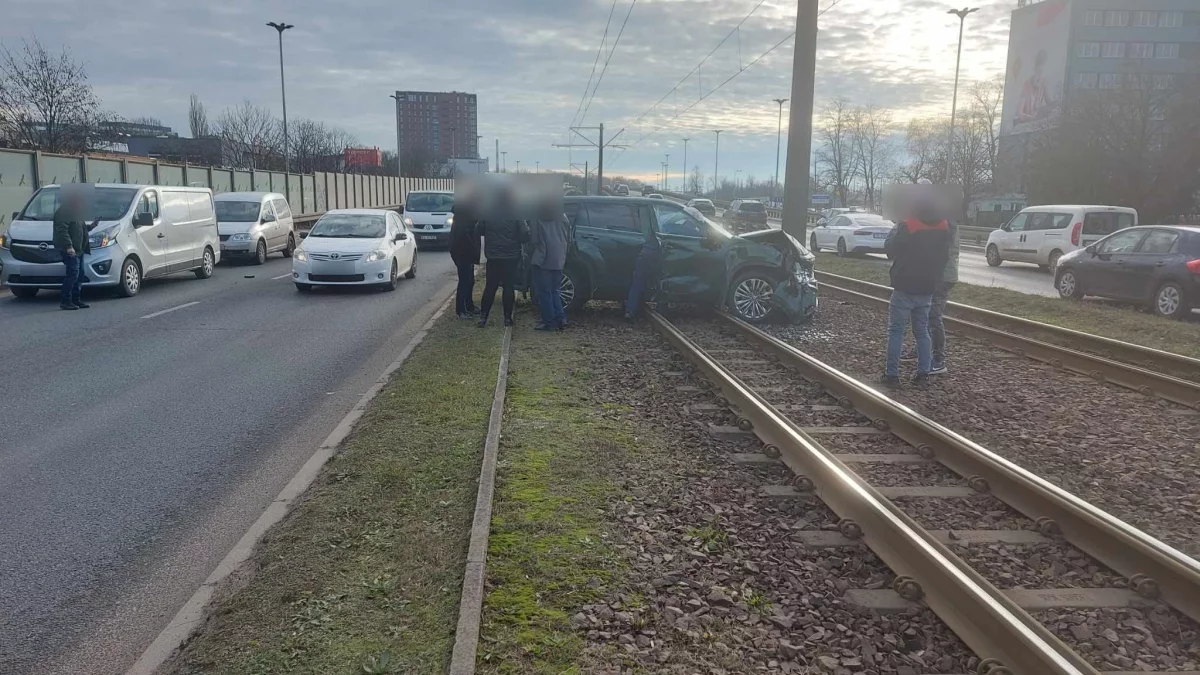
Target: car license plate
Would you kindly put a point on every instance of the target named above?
(427, 237)
(881, 235)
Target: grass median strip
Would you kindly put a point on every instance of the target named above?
(1119, 322)
(364, 575)
(552, 547)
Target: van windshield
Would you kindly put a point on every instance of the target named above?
(111, 204)
(237, 212)
(429, 202)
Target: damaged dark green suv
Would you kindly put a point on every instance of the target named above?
(758, 276)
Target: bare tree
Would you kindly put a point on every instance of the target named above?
(251, 136)
(198, 118)
(870, 134)
(418, 162)
(835, 155)
(987, 100)
(696, 180)
(925, 143)
(46, 102)
(315, 146)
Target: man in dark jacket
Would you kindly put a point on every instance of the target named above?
(551, 239)
(464, 251)
(919, 247)
(502, 239)
(71, 240)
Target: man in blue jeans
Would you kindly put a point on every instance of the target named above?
(919, 248)
(71, 240)
(551, 239)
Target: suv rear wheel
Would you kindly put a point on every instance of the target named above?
(751, 297)
(572, 288)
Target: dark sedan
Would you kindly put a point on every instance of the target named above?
(1157, 266)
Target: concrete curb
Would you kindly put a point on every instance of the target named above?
(194, 611)
(470, 607)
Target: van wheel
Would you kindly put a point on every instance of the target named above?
(993, 256)
(412, 270)
(751, 297)
(812, 244)
(291, 246)
(23, 292)
(131, 278)
(1068, 285)
(206, 264)
(841, 248)
(1169, 301)
(260, 253)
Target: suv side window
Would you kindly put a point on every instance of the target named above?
(676, 221)
(149, 204)
(573, 213)
(619, 217)
(1159, 241)
(1124, 242)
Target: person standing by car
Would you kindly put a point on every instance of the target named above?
(645, 271)
(502, 239)
(71, 240)
(551, 239)
(464, 251)
(919, 248)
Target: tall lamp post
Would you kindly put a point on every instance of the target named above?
(962, 20)
(667, 173)
(518, 166)
(778, 137)
(504, 162)
(717, 161)
(280, 27)
(396, 97)
(685, 173)
(737, 178)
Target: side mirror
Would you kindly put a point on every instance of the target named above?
(304, 234)
(401, 236)
(401, 209)
(15, 215)
(143, 219)
(1091, 249)
(268, 217)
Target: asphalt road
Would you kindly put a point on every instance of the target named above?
(973, 269)
(141, 438)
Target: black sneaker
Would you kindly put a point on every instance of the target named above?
(482, 321)
(465, 316)
(508, 321)
(890, 381)
(920, 378)
(909, 356)
(70, 307)
(81, 305)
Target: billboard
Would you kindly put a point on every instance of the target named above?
(358, 157)
(1039, 45)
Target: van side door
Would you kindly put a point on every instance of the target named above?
(181, 236)
(283, 222)
(1012, 240)
(153, 237)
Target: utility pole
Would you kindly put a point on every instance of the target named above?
(537, 167)
(585, 178)
(504, 162)
(599, 144)
(804, 72)
(716, 162)
(497, 169)
(600, 163)
(399, 172)
(667, 173)
(778, 136)
(962, 21)
(280, 27)
(685, 169)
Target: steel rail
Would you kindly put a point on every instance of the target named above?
(1153, 568)
(983, 617)
(1160, 360)
(1142, 380)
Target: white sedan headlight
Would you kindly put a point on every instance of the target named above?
(376, 256)
(300, 255)
(242, 236)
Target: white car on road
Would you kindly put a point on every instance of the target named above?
(355, 247)
(852, 233)
(1043, 234)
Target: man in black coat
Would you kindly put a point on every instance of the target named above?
(464, 251)
(502, 240)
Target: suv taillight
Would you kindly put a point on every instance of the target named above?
(1076, 234)
(1194, 266)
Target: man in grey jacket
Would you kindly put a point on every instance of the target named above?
(551, 239)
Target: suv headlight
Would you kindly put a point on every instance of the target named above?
(376, 256)
(408, 221)
(103, 238)
(300, 254)
(242, 236)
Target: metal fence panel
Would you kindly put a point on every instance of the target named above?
(261, 181)
(294, 192)
(243, 181)
(16, 183)
(222, 181)
(279, 183)
(59, 170)
(170, 174)
(103, 170)
(139, 173)
(196, 176)
(339, 181)
(308, 203)
(321, 197)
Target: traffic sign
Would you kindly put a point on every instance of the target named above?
(820, 199)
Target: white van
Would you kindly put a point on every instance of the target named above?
(1043, 234)
(254, 224)
(428, 214)
(144, 231)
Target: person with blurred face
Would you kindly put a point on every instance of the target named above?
(503, 233)
(71, 240)
(551, 239)
(919, 247)
(464, 251)
(941, 297)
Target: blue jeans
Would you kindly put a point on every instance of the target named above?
(903, 307)
(644, 272)
(937, 327)
(73, 282)
(546, 286)
(464, 302)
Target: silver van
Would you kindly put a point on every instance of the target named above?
(429, 216)
(145, 231)
(255, 224)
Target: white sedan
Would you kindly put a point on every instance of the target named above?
(852, 233)
(355, 247)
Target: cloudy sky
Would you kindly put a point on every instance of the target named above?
(528, 61)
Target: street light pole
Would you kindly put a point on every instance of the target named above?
(804, 70)
(504, 162)
(397, 99)
(280, 27)
(962, 20)
(778, 137)
(518, 166)
(685, 173)
(737, 177)
(717, 161)
(667, 173)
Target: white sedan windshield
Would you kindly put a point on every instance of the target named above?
(354, 226)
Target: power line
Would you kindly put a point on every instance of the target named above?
(714, 90)
(599, 50)
(606, 61)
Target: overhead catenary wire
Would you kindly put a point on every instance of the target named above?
(599, 51)
(604, 70)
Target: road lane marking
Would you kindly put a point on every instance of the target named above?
(167, 311)
(281, 276)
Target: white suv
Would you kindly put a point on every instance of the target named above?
(1043, 234)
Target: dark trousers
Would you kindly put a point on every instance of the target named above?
(464, 302)
(547, 286)
(937, 327)
(73, 282)
(500, 272)
(645, 270)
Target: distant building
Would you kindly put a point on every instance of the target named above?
(461, 166)
(1058, 48)
(357, 158)
(114, 130)
(439, 125)
(208, 151)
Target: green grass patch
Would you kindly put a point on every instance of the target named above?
(1119, 322)
(364, 576)
(550, 548)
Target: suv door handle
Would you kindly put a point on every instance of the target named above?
(589, 237)
(161, 235)
(1160, 263)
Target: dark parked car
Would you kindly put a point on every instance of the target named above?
(1153, 265)
(746, 214)
(756, 277)
(704, 206)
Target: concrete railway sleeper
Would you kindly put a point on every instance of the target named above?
(998, 625)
